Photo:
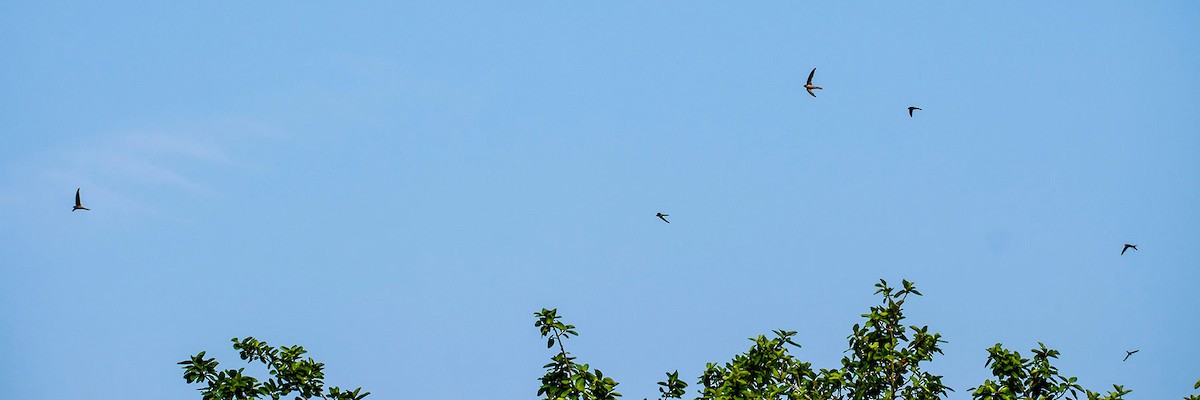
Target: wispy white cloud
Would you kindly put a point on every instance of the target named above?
(130, 172)
(150, 171)
(162, 144)
(141, 159)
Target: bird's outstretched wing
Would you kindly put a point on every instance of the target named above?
(77, 202)
(810, 92)
(910, 110)
(810, 76)
(1123, 250)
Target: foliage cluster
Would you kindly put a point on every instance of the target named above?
(291, 374)
(885, 359)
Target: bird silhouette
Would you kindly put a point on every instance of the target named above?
(809, 86)
(1129, 353)
(1127, 247)
(910, 110)
(661, 216)
(78, 204)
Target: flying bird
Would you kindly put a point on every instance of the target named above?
(1127, 247)
(78, 204)
(661, 216)
(910, 110)
(809, 86)
(1129, 353)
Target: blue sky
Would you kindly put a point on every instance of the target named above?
(399, 187)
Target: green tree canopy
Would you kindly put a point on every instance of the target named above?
(885, 359)
(290, 374)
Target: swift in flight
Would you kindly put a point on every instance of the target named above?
(809, 86)
(78, 204)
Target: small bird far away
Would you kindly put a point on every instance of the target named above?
(809, 86)
(662, 217)
(1127, 247)
(910, 110)
(1129, 353)
(78, 204)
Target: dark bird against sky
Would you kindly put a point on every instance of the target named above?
(910, 110)
(78, 204)
(1127, 247)
(809, 86)
(662, 217)
(1129, 353)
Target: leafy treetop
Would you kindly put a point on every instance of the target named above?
(291, 374)
(885, 360)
